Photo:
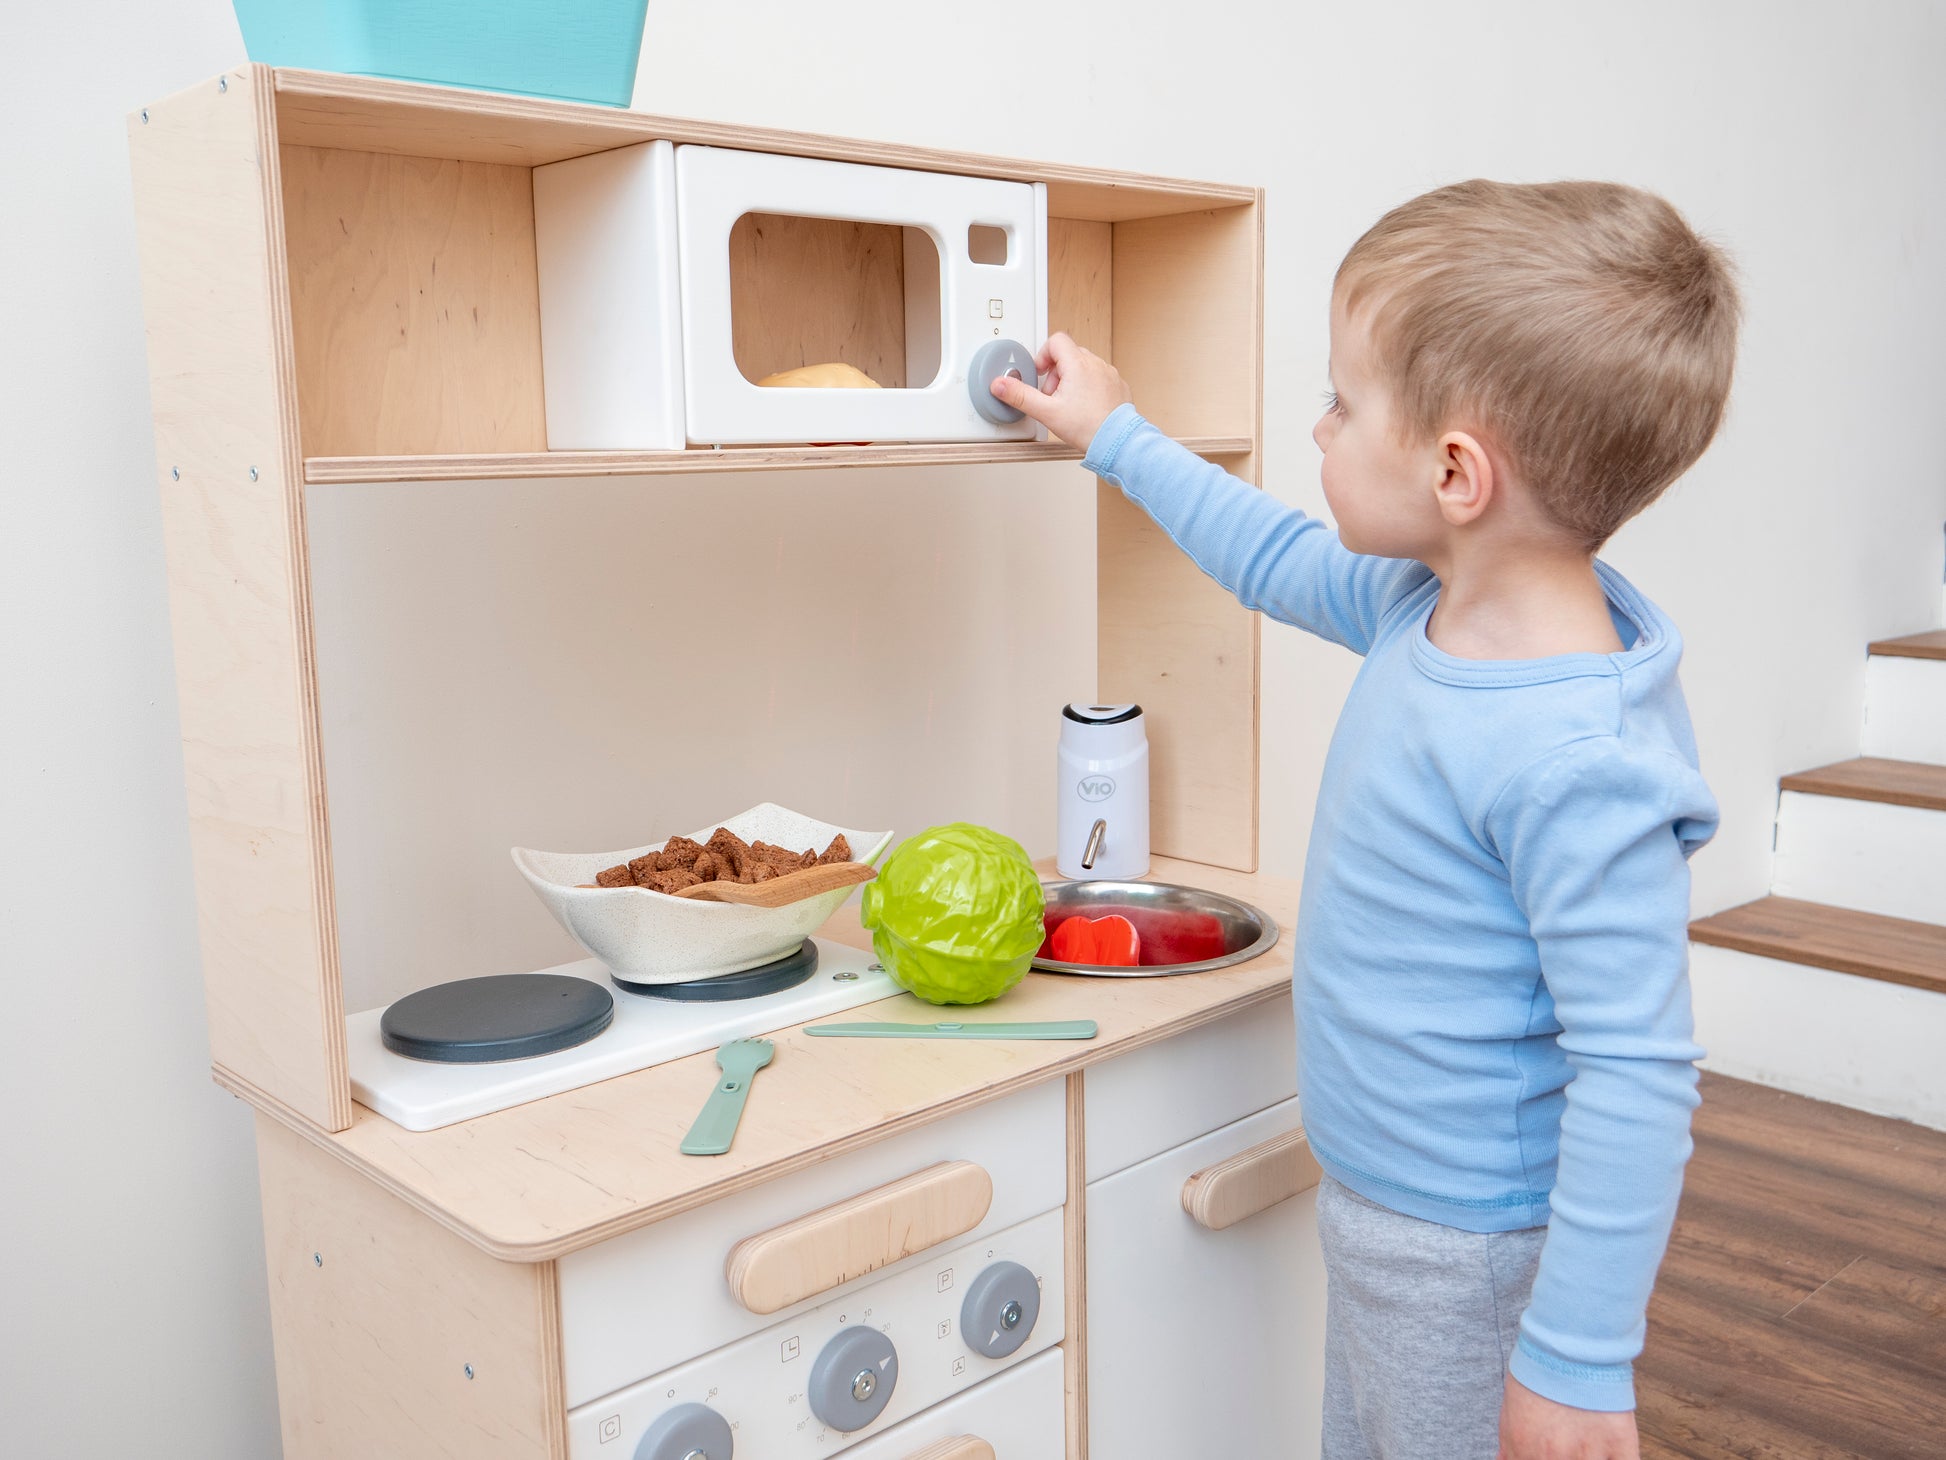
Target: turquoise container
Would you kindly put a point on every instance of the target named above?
(572, 50)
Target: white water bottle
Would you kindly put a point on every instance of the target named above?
(1102, 826)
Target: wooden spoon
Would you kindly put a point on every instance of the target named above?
(791, 887)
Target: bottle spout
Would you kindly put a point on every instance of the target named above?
(1096, 835)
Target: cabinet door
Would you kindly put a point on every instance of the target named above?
(1204, 1341)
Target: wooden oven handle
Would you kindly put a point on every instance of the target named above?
(818, 1251)
(960, 1447)
(1251, 1182)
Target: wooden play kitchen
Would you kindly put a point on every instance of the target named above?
(914, 1249)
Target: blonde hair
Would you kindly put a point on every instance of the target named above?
(1583, 327)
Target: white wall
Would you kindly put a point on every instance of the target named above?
(1815, 146)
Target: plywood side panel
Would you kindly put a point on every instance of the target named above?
(806, 291)
(394, 1337)
(415, 302)
(1175, 643)
(1188, 293)
(208, 220)
(1080, 282)
(1188, 335)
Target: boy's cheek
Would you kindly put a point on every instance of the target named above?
(1328, 479)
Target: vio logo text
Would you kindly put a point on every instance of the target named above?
(1096, 788)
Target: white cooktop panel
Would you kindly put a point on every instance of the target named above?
(425, 1095)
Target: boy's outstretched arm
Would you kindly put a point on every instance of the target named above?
(1274, 558)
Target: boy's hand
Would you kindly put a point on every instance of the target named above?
(1078, 390)
(1533, 1428)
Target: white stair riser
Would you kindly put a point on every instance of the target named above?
(1834, 1036)
(1905, 709)
(1868, 855)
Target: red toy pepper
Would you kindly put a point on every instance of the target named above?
(1109, 942)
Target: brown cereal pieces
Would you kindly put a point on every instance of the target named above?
(723, 840)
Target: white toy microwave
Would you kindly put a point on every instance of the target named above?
(676, 281)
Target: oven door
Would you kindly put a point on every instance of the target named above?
(1018, 1414)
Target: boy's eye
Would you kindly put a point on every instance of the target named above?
(1332, 405)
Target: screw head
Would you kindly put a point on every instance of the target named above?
(864, 1385)
(1010, 1315)
(222, 83)
(469, 1371)
(175, 473)
(145, 116)
(317, 1259)
(253, 473)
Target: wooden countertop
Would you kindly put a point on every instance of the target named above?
(546, 1178)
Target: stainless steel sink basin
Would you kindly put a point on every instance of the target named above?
(1183, 929)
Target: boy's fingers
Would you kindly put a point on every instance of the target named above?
(1020, 395)
(1060, 349)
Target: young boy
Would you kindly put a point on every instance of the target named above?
(1491, 969)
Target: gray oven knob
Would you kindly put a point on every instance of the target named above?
(991, 361)
(853, 1379)
(687, 1432)
(1000, 1308)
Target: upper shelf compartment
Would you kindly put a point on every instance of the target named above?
(417, 290)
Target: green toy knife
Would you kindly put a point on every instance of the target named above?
(716, 1127)
(953, 1029)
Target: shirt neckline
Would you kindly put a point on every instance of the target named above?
(1650, 640)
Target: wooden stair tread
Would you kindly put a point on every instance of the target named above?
(1929, 645)
(1894, 950)
(1900, 782)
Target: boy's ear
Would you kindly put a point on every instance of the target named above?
(1466, 481)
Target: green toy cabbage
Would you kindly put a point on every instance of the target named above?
(955, 914)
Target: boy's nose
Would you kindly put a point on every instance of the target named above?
(1321, 433)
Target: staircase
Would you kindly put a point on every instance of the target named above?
(1835, 985)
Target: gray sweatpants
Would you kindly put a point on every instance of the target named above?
(1420, 1320)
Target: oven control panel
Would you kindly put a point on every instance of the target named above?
(848, 1367)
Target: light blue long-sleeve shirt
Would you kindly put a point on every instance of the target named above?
(1492, 960)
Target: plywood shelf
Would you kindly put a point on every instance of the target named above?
(485, 466)
(357, 114)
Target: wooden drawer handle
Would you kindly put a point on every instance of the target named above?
(1251, 1182)
(815, 1253)
(960, 1447)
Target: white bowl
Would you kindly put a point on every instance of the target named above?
(651, 937)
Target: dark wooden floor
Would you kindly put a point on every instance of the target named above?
(1801, 1312)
